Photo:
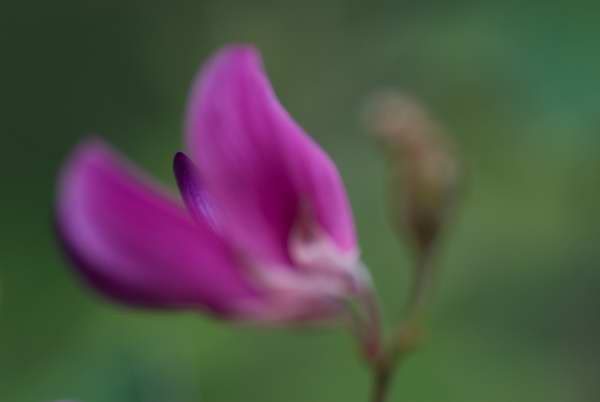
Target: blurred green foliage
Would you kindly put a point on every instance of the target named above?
(516, 83)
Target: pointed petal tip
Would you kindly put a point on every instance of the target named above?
(183, 169)
(86, 151)
(89, 152)
(179, 160)
(91, 144)
(192, 191)
(239, 51)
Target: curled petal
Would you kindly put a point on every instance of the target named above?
(257, 163)
(286, 295)
(194, 195)
(135, 244)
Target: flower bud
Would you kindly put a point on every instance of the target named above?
(425, 171)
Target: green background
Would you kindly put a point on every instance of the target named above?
(517, 312)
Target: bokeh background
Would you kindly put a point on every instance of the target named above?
(516, 83)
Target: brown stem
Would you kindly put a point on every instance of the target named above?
(408, 332)
(374, 342)
(421, 287)
(381, 381)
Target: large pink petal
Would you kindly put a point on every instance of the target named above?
(257, 162)
(135, 244)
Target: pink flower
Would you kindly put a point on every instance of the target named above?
(267, 232)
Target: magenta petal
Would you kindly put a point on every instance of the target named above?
(135, 244)
(256, 162)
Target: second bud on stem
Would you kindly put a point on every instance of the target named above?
(424, 169)
(423, 188)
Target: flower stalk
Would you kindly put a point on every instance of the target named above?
(407, 335)
(423, 186)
